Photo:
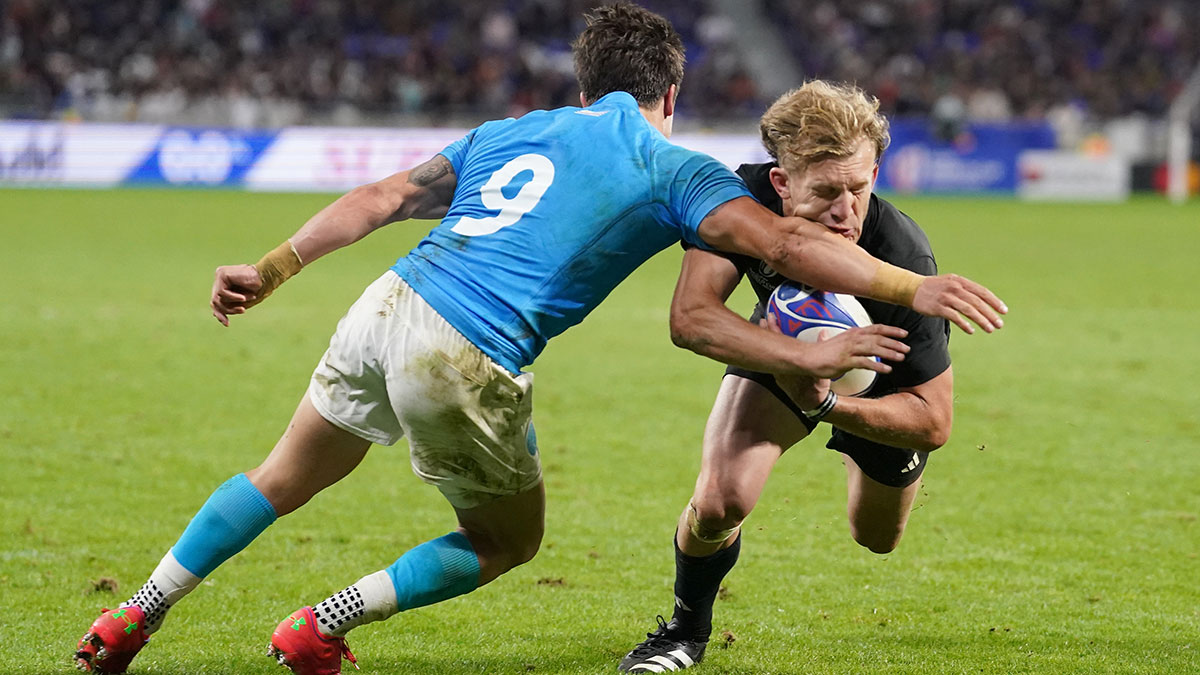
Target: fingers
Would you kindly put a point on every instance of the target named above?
(868, 363)
(883, 329)
(962, 302)
(229, 296)
(958, 320)
(233, 291)
(226, 302)
(883, 335)
(771, 322)
(223, 310)
(874, 341)
(890, 349)
(963, 310)
(221, 316)
(981, 291)
(875, 350)
(985, 309)
(239, 276)
(979, 304)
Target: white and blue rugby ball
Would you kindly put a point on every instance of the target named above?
(808, 314)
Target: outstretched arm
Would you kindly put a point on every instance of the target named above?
(916, 418)
(808, 252)
(701, 322)
(422, 192)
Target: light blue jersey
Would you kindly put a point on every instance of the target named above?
(551, 212)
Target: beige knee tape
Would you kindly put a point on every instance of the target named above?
(706, 534)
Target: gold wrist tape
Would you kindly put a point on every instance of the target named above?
(276, 267)
(895, 285)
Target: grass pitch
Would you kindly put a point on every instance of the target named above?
(1057, 532)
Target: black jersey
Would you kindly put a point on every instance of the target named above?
(891, 236)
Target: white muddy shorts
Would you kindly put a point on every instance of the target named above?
(396, 369)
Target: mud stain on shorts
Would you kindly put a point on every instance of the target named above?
(390, 302)
(475, 431)
(322, 380)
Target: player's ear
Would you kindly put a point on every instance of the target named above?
(779, 181)
(875, 174)
(582, 100)
(669, 100)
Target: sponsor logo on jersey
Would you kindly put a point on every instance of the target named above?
(763, 275)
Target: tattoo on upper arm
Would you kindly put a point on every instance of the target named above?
(430, 171)
(434, 181)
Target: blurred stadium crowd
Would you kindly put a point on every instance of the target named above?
(276, 62)
(1001, 58)
(270, 63)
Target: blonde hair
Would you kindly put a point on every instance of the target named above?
(822, 120)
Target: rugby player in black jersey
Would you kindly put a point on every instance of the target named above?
(826, 140)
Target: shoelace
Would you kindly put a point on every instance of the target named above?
(346, 652)
(653, 640)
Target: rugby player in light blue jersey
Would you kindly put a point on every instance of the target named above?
(541, 217)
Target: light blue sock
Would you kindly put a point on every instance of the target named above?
(232, 517)
(434, 571)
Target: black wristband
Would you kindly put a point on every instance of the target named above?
(822, 410)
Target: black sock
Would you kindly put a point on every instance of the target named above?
(697, 580)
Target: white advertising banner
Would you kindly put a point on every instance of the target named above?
(338, 159)
(65, 154)
(331, 159)
(1070, 176)
(732, 150)
(310, 159)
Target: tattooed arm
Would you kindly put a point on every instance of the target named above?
(422, 192)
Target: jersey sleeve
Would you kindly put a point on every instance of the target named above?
(456, 152)
(698, 185)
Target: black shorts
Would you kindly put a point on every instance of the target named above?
(895, 467)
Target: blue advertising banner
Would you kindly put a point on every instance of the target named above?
(979, 158)
(188, 156)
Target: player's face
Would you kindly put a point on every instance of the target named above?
(834, 192)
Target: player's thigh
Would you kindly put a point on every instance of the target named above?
(878, 513)
(349, 385)
(311, 455)
(747, 431)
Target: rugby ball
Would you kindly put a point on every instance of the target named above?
(808, 314)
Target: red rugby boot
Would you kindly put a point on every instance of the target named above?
(297, 644)
(112, 641)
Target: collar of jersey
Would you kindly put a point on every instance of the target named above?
(615, 99)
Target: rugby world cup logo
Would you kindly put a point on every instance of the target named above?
(797, 309)
(814, 315)
(792, 318)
